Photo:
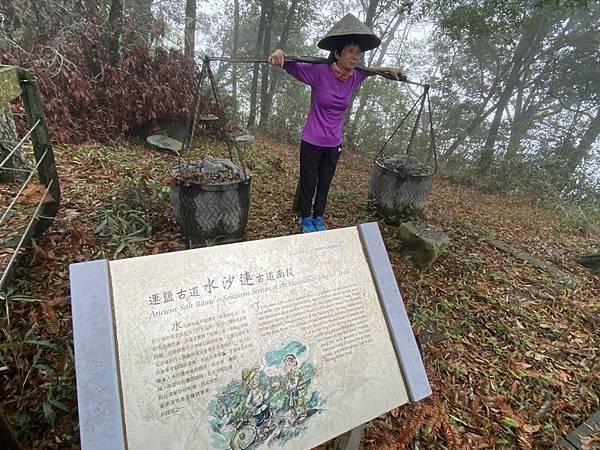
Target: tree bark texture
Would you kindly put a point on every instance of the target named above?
(235, 45)
(266, 69)
(190, 28)
(115, 31)
(255, 70)
(582, 150)
(276, 74)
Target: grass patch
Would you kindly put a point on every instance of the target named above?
(133, 214)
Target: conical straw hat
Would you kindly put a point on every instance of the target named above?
(349, 29)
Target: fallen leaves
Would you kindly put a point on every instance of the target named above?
(531, 428)
(515, 350)
(34, 194)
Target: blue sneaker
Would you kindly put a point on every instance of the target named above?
(318, 223)
(306, 223)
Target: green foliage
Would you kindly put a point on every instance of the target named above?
(471, 20)
(542, 181)
(385, 108)
(135, 211)
(290, 107)
(28, 359)
(579, 218)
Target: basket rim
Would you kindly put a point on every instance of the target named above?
(212, 186)
(408, 175)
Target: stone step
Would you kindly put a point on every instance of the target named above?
(421, 243)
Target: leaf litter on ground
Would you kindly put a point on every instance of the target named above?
(511, 354)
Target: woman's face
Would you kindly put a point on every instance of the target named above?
(349, 57)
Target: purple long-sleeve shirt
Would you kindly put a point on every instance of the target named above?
(330, 98)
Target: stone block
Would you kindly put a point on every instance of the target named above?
(10, 87)
(421, 243)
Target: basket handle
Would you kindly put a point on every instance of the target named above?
(206, 73)
(213, 85)
(380, 152)
(432, 134)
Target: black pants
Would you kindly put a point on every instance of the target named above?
(317, 166)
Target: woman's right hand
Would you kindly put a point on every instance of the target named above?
(277, 58)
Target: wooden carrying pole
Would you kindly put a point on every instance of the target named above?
(313, 60)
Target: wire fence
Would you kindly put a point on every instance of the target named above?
(23, 216)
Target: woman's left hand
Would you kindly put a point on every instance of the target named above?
(395, 72)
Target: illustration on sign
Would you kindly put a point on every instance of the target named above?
(266, 404)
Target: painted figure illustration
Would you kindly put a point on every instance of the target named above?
(268, 404)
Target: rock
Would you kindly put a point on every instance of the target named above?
(421, 243)
(165, 142)
(10, 86)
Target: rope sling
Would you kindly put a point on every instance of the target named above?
(400, 185)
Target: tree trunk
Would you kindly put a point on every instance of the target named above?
(276, 74)
(266, 69)
(371, 12)
(567, 146)
(235, 45)
(8, 140)
(115, 26)
(93, 66)
(478, 120)
(519, 126)
(532, 37)
(487, 153)
(576, 157)
(23, 32)
(255, 69)
(144, 21)
(190, 28)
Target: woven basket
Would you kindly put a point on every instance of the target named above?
(211, 214)
(398, 194)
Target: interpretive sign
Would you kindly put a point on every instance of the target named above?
(278, 343)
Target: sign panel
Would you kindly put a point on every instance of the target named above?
(278, 343)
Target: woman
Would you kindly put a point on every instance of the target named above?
(332, 86)
(256, 401)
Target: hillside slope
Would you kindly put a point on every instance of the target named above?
(511, 353)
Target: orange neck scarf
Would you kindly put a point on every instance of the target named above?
(341, 74)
